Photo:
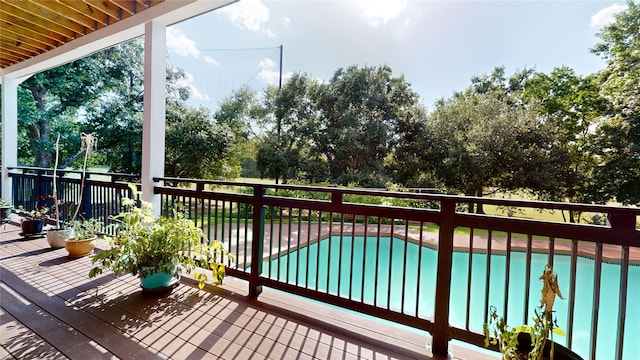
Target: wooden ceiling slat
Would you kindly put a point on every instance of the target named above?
(45, 18)
(21, 37)
(21, 49)
(88, 11)
(10, 55)
(107, 8)
(32, 27)
(57, 32)
(8, 21)
(126, 6)
(11, 40)
(69, 14)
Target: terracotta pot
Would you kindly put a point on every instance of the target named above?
(57, 237)
(79, 248)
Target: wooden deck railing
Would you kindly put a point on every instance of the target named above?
(420, 260)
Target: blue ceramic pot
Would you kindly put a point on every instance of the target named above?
(159, 280)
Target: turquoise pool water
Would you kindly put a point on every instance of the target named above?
(346, 275)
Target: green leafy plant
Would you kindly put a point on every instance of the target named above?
(527, 342)
(145, 245)
(35, 214)
(86, 229)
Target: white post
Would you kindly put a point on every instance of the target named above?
(153, 126)
(9, 132)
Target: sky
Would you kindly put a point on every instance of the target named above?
(437, 45)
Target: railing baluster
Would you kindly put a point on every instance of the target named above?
(419, 266)
(487, 284)
(364, 257)
(353, 251)
(306, 273)
(329, 252)
(391, 238)
(622, 303)
(597, 276)
(376, 278)
(340, 248)
(288, 244)
(404, 264)
(507, 277)
(318, 252)
(552, 246)
(527, 279)
(469, 277)
(572, 290)
(279, 276)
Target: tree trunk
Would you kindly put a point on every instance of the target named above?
(480, 207)
(40, 135)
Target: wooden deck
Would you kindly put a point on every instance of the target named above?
(50, 309)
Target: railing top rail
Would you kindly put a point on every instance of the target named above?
(49, 171)
(547, 205)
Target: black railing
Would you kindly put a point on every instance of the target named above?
(418, 259)
(100, 197)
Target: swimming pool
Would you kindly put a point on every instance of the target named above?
(348, 267)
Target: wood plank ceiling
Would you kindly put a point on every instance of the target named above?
(32, 27)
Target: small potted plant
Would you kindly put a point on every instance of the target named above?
(62, 231)
(533, 342)
(5, 209)
(84, 238)
(158, 249)
(33, 221)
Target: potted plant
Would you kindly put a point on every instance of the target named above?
(535, 341)
(58, 235)
(5, 209)
(85, 234)
(33, 221)
(158, 249)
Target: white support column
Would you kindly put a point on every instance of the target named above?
(153, 127)
(9, 132)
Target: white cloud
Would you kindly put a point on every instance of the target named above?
(269, 33)
(267, 73)
(187, 82)
(382, 10)
(286, 22)
(606, 16)
(211, 60)
(266, 63)
(179, 43)
(249, 14)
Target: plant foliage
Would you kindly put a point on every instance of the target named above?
(145, 245)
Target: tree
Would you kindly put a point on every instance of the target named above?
(619, 134)
(116, 117)
(197, 146)
(47, 96)
(359, 109)
(288, 150)
(239, 113)
(479, 140)
(572, 105)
